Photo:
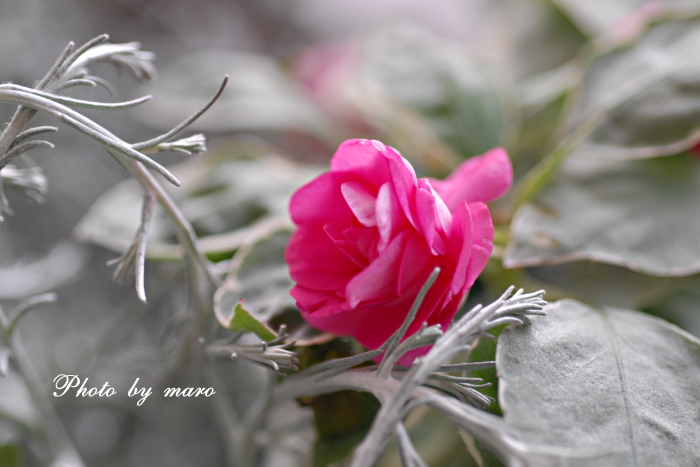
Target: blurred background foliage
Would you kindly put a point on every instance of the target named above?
(597, 102)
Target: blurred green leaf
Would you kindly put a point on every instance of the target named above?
(638, 214)
(228, 200)
(342, 418)
(484, 350)
(681, 308)
(535, 136)
(9, 455)
(648, 96)
(242, 320)
(460, 98)
(595, 17)
(542, 37)
(436, 439)
(31, 277)
(622, 18)
(342, 421)
(616, 387)
(605, 284)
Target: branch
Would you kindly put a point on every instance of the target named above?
(391, 355)
(131, 265)
(145, 145)
(463, 332)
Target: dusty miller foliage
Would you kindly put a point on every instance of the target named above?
(432, 381)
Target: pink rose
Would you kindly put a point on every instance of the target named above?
(370, 233)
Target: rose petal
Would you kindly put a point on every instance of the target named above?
(320, 279)
(427, 217)
(309, 299)
(365, 241)
(375, 324)
(388, 214)
(460, 245)
(361, 202)
(330, 270)
(378, 281)
(433, 298)
(482, 241)
(404, 182)
(416, 264)
(346, 246)
(381, 324)
(363, 160)
(344, 323)
(444, 216)
(481, 178)
(320, 202)
(331, 305)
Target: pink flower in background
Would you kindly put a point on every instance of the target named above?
(370, 233)
(695, 151)
(327, 73)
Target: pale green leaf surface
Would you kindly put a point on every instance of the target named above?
(262, 281)
(606, 284)
(648, 96)
(16, 402)
(596, 17)
(681, 308)
(30, 277)
(259, 95)
(617, 387)
(458, 96)
(639, 214)
(227, 200)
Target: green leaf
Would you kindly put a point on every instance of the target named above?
(595, 17)
(648, 96)
(535, 137)
(242, 320)
(9, 455)
(639, 214)
(611, 386)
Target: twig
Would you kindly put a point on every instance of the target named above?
(391, 356)
(175, 131)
